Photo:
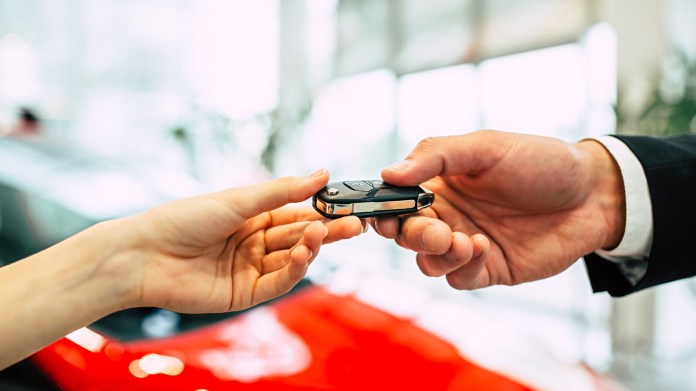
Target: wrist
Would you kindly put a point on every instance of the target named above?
(608, 193)
(116, 262)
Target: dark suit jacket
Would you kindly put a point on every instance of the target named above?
(670, 167)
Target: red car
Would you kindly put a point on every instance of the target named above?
(310, 340)
(313, 340)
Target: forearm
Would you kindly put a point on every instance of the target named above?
(58, 290)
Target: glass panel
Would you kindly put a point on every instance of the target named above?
(437, 103)
(349, 130)
(511, 26)
(363, 36)
(540, 92)
(435, 33)
(675, 342)
(232, 56)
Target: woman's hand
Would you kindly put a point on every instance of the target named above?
(233, 249)
(219, 252)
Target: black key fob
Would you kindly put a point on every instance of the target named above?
(370, 198)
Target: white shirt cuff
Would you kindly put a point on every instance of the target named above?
(638, 233)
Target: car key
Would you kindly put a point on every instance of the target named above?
(370, 198)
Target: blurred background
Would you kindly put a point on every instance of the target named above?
(197, 95)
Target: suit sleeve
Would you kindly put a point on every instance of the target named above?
(670, 168)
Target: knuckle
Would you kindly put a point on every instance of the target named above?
(427, 144)
(287, 184)
(486, 133)
(286, 181)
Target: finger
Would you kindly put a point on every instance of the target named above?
(389, 227)
(386, 226)
(473, 274)
(452, 155)
(253, 200)
(280, 281)
(459, 254)
(425, 235)
(309, 237)
(290, 214)
(314, 235)
(344, 228)
(285, 236)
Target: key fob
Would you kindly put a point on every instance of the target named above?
(370, 198)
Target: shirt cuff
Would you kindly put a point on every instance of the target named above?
(638, 233)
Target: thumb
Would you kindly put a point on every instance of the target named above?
(447, 156)
(253, 200)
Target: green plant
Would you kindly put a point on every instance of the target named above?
(671, 107)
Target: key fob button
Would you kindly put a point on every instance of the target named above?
(331, 191)
(358, 185)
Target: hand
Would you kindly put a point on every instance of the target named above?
(541, 202)
(212, 253)
(233, 249)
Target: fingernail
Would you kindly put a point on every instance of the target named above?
(366, 227)
(422, 236)
(310, 260)
(451, 254)
(317, 173)
(478, 247)
(449, 258)
(400, 166)
(375, 226)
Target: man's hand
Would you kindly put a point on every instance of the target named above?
(509, 208)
